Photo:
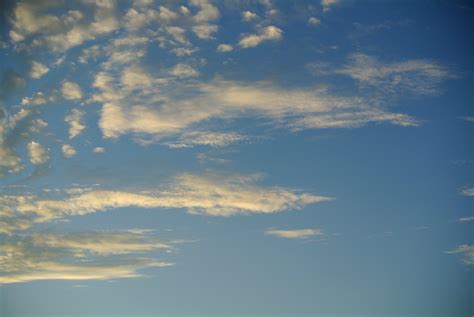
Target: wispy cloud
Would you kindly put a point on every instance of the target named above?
(294, 233)
(211, 195)
(468, 192)
(466, 219)
(466, 251)
(78, 256)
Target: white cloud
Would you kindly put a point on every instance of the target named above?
(68, 150)
(183, 71)
(294, 233)
(71, 90)
(223, 48)
(467, 252)
(269, 33)
(314, 21)
(466, 219)
(99, 150)
(468, 192)
(248, 16)
(37, 70)
(75, 125)
(37, 153)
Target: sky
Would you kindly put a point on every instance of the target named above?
(236, 158)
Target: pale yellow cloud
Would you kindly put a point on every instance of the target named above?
(210, 194)
(75, 124)
(37, 153)
(269, 33)
(294, 233)
(68, 150)
(71, 90)
(37, 70)
(78, 256)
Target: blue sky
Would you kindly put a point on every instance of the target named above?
(236, 158)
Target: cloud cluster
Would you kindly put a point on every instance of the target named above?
(61, 32)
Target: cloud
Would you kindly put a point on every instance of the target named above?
(205, 31)
(207, 12)
(210, 194)
(68, 150)
(269, 33)
(75, 125)
(71, 90)
(224, 48)
(467, 252)
(419, 77)
(468, 192)
(37, 70)
(31, 21)
(78, 256)
(294, 234)
(183, 71)
(327, 4)
(99, 150)
(248, 16)
(37, 153)
(215, 139)
(162, 115)
(314, 21)
(466, 219)
(10, 161)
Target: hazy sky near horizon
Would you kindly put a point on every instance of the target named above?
(254, 158)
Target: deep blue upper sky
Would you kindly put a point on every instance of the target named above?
(254, 158)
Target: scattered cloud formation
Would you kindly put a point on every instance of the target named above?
(38, 70)
(294, 233)
(269, 33)
(468, 192)
(71, 91)
(37, 153)
(75, 125)
(466, 251)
